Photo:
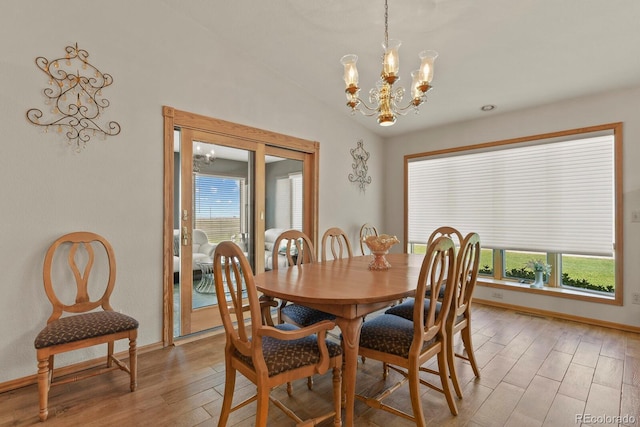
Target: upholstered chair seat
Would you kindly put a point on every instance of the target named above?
(389, 334)
(304, 316)
(405, 309)
(277, 353)
(84, 326)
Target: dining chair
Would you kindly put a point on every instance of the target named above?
(338, 244)
(467, 265)
(299, 250)
(269, 356)
(366, 230)
(86, 322)
(404, 345)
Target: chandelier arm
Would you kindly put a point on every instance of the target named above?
(370, 111)
(404, 110)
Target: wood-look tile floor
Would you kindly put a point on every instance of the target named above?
(534, 372)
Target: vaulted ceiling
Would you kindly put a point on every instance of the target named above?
(510, 53)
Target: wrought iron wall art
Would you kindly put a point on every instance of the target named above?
(74, 98)
(359, 165)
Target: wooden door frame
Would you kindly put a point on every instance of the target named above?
(176, 118)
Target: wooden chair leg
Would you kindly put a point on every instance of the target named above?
(310, 383)
(227, 400)
(44, 375)
(50, 370)
(133, 363)
(109, 354)
(263, 406)
(337, 396)
(414, 394)
(468, 346)
(452, 368)
(343, 386)
(444, 378)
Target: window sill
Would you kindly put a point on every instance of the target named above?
(575, 294)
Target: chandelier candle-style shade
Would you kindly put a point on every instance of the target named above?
(384, 97)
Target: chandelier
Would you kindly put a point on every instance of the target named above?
(386, 99)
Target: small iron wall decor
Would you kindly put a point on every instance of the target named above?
(360, 168)
(74, 98)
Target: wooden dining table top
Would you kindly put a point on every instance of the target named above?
(343, 282)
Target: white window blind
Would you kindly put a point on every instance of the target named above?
(296, 201)
(549, 197)
(289, 202)
(283, 201)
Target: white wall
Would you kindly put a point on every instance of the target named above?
(622, 106)
(114, 187)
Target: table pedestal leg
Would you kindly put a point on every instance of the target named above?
(350, 339)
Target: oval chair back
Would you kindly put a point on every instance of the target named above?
(339, 244)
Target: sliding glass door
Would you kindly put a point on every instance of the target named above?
(215, 204)
(226, 187)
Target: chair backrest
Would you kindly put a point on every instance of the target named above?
(467, 264)
(237, 297)
(438, 269)
(81, 266)
(338, 243)
(298, 248)
(447, 231)
(366, 230)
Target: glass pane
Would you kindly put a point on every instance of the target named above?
(217, 202)
(486, 262)
(515, 265)
(283, 202)
(221, 202)
(177, 247)
(593, 273)
(417, 248)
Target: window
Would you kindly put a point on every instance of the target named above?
(217, 202)
(552, 197)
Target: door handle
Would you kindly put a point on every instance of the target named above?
(185, 236)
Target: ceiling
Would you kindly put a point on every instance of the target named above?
(510, 53)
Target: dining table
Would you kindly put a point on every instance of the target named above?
(348, 289)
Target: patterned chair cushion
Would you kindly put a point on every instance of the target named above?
(405, 309)
(82, 326)
(389, 334)
(305, 316)
(281, 356)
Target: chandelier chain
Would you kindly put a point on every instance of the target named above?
(386, 23)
